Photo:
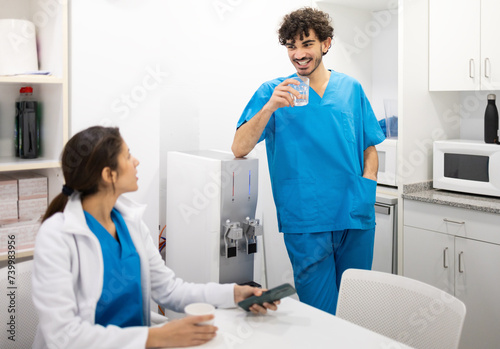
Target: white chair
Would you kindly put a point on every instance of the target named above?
(403, 309)
(25, 315)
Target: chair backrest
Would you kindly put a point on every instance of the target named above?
(19, 318)
(403, 309)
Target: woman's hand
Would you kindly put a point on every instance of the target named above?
(182, 333)
(243, 292)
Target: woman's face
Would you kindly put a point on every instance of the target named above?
(127, 172)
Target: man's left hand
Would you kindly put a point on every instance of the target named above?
(370, 176)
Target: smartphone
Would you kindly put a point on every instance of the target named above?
(269, 296)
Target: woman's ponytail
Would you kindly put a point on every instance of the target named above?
(56, 205)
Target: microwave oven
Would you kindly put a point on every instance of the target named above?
(467, 166)
(387, 161)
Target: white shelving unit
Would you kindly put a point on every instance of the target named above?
(51, 91)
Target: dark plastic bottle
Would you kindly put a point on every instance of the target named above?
(21, 98)
(27, 125)
(491, 121)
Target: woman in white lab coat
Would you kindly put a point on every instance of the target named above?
(96, 267)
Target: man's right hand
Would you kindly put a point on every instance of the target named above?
(248, 134)
(282, 95)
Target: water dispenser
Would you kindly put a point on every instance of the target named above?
(212, 231)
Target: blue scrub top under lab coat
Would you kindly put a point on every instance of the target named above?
(315, 157)
(121, 298)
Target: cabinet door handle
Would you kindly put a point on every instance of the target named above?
(450, 221)
(445, 257)
(460, 263)
(471, 68)
(487, 68)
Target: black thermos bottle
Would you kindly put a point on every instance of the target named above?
(491, 121)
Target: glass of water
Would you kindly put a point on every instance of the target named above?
(303, 89)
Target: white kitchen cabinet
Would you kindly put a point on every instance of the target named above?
(463, 45)
(477, 285)
(490, 50)
(449, 248)
(428, 257)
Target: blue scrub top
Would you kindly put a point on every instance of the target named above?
(121, 298)
(315, 157)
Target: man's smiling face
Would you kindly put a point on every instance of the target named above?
(306, 54)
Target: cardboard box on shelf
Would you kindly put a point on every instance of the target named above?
(32, 209)
(31, 185)
(23, 235)
(8, 211)
(8, 188)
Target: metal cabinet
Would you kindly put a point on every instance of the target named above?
(384, 249)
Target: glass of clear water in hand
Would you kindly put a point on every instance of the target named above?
(303, 89)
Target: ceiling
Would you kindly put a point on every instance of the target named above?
(368, 5)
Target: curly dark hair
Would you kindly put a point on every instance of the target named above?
(300, 21)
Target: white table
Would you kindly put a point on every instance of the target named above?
(293, 325)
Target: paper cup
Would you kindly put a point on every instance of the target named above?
(197, 309)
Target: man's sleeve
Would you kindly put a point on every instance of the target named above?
(256, 103)
(372, 132)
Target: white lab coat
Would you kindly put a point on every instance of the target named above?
(68, 277)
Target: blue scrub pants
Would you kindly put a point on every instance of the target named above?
(319, 259)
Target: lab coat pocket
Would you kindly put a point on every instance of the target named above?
(298, 201)
(364, 200)
(348, 122)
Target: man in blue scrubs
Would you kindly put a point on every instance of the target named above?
(322, 161)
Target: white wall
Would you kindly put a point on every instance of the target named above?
(365, 47)
(424, 116)
(351, 51)
(384, 59)
(116, 78)
(471, 109)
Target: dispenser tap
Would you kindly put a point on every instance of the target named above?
(252, 229)
(232, 233)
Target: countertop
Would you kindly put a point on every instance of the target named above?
(468, 201)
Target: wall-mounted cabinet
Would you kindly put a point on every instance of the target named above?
(464, 54)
